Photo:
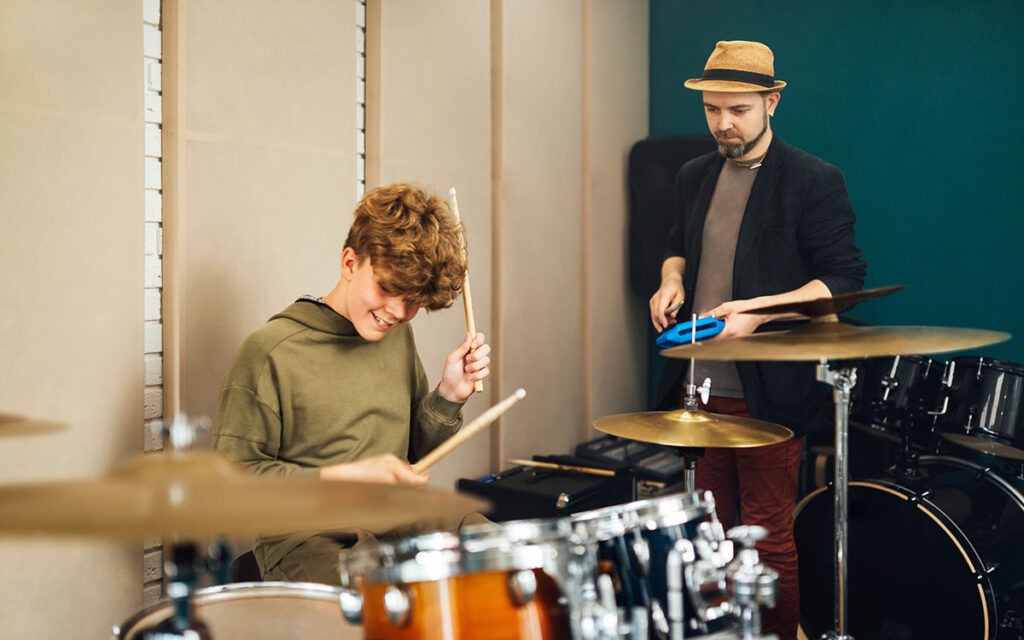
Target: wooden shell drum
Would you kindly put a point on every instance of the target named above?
(489, 581)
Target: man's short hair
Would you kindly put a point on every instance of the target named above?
(414, 243)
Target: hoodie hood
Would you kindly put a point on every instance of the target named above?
(310, 312)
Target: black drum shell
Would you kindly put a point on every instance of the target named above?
(935, 557)
(986, 408)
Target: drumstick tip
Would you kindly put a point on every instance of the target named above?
(451, 192)
(520, 393)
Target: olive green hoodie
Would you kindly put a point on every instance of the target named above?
(306, 391)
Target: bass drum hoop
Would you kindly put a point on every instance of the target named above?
(961, 542)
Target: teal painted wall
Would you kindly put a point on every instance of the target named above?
(920, 104)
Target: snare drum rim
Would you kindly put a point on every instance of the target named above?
(509, 546)
(672, 510)
(230, 591)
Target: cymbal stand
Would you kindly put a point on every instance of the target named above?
(690, 454)
(182, 566)
(842, 380)
(183, 562)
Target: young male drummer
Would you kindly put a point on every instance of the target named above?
(758, 223)
(333, 386)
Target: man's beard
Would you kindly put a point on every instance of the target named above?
(735, 150)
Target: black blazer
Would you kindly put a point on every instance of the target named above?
(798, 226)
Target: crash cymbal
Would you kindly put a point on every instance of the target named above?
(193, 494)
(12, 425)
(837, 341)
(686, 428)
(829, 306)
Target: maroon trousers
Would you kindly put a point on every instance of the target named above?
(758, 486)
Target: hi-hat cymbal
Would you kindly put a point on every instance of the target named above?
(829, 306)
(686, 428)
(12, 425)
(194, 494)
(837, 341)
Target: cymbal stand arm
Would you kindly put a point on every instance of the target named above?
(842, 381)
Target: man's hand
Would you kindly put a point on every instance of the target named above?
(670, 295)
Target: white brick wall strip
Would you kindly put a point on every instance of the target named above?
(152, 311)
(153, 338)
(154, 370)
(153, 143)
(154, 108)
(152, 568)
(154, 402)
(151, 12)
(152, 593)
(151, 41)
(153, 269)
(153, 178)
(154, 205)
(152, 68)
(153, 75)
(151, 443)
(152, 231)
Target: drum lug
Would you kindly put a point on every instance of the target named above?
(398, 605)
(918, 496)
(642, 553)
(351, 605)
(989, 570)
(562, 502)
(522, 586)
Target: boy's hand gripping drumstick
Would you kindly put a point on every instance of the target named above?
(467, 432)
(467, 297)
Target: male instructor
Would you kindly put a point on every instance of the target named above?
(758, 223)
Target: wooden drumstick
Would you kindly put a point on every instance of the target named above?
(467, 297)
(467, 432)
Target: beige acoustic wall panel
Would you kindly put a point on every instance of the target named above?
(540, 273)
(71, 292)
(617, 97)
(266, 178)
(430, 107)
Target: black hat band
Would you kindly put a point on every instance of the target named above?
(734, 75)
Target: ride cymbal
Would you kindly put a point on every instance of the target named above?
(686, 428)
(192, 494)
(829, 306)
(837, 341)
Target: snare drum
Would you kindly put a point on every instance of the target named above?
(987, 407)
(634, 541)
(255, 611)
(489, 581)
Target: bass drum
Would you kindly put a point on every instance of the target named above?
(939, 556)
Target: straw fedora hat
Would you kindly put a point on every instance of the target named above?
(738, 66)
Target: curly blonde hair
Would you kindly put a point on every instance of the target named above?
(414, 242)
